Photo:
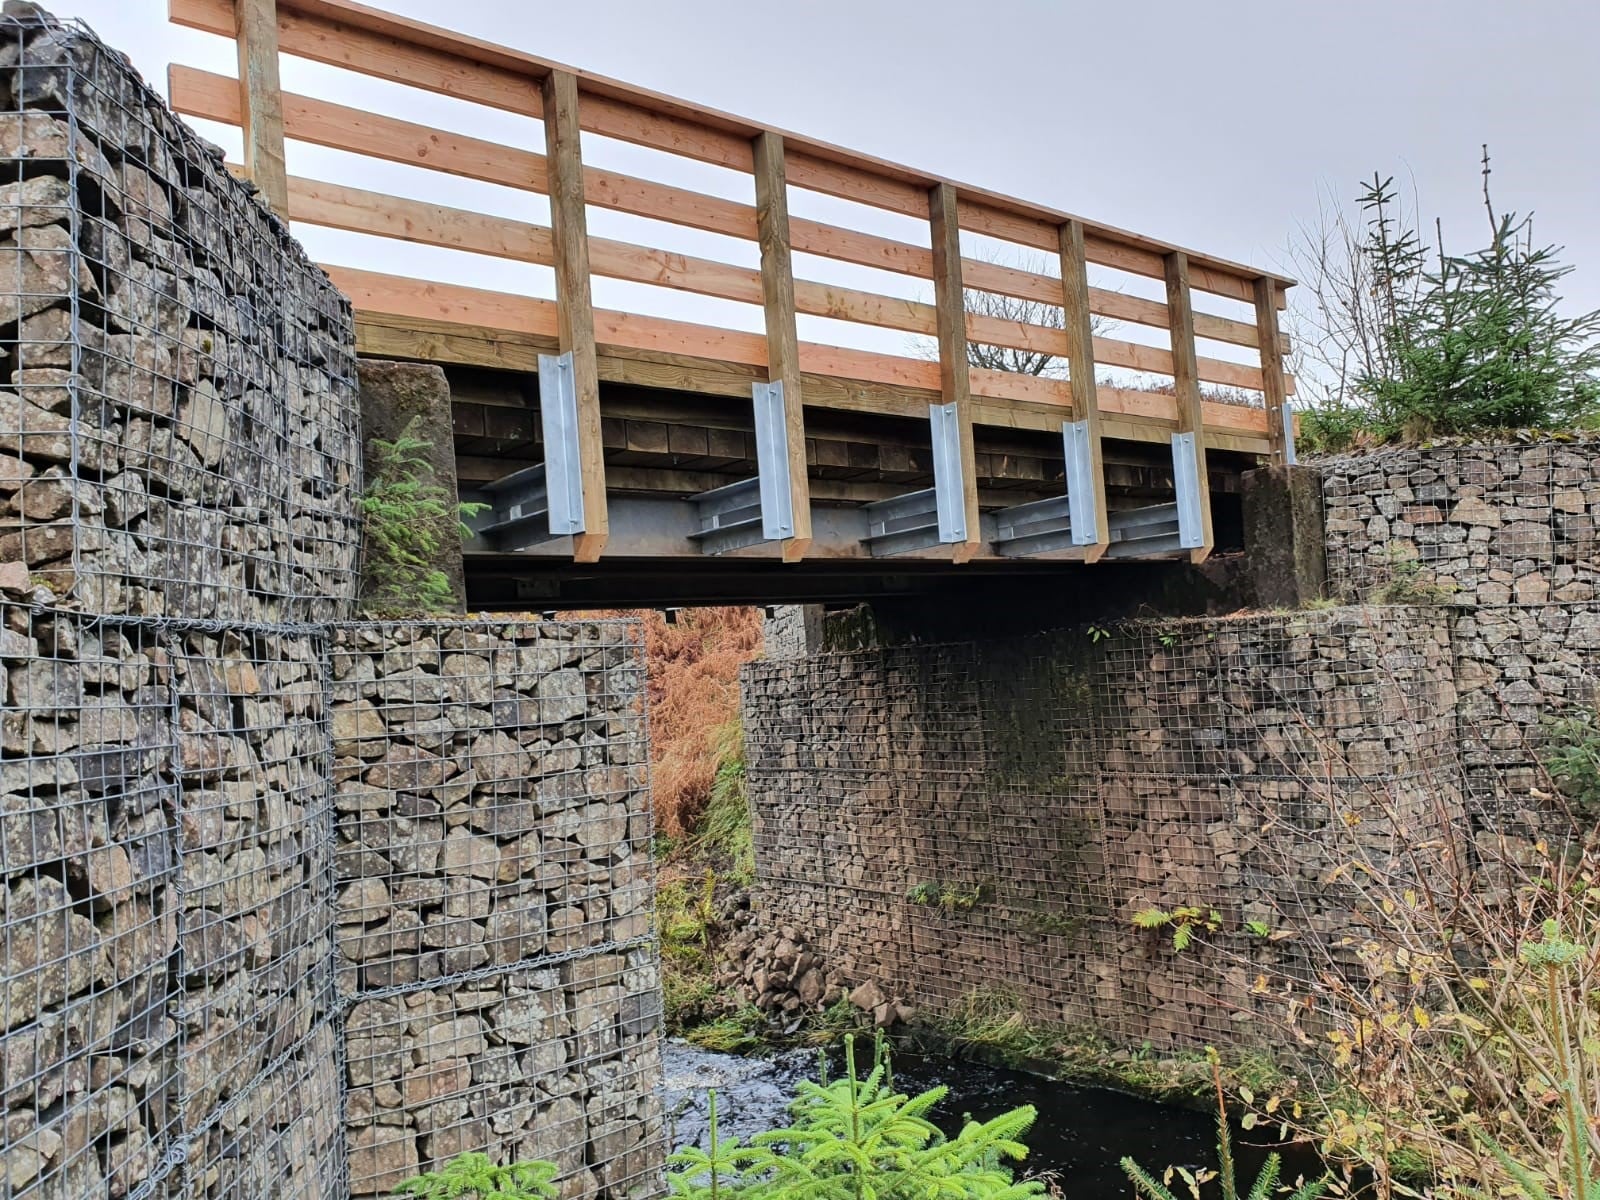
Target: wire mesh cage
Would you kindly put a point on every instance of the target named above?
(181, 431)
(1049, 789)
(1491, 524)
(254, 833)
(494, 901)
(88, 1047)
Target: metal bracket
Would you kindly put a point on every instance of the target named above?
(1080, 482)
(1038, 527)
(772, 461)
(947, 481)
(558, 414)
(730, 517)
(902, 523)
(519, 510)
(757, 510)
(1186, 480)
(1289, 457)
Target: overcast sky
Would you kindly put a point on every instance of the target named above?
(1214, 125)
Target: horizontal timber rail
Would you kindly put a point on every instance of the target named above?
(1166, 380)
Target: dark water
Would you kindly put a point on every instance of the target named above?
(1079, 1137)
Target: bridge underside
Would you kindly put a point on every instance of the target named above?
(667, 448)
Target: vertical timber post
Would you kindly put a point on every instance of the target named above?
(1080, 365)
(1273, 390)
(954, 387)
(570, 235)
(1186, 385)
(261, 100)
(783, 341)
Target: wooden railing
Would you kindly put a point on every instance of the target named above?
(388, 47)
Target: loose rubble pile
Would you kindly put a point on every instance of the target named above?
(789, 980)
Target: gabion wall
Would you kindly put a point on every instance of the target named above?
(165, 843)
(264, 872)
(494, 931)
(973, 827)
(1512, 533)
(181, 433)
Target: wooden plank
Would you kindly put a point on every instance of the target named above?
(783, 341)
(215, 97)
(260, 103)
(448, 318)
(1186, 384)
(954, 384)
(1080, 364)
(575, 326)
(339, 207)
(381, 44)
(1273, 389)
(1126, 414)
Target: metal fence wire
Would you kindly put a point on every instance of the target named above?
(1495, 525)
(290, 906)
(975, 827)
(180, 436)
(303, 914)
(494, 931)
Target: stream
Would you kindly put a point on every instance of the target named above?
(1079, 1137)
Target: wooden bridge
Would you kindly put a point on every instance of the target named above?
(616, 442)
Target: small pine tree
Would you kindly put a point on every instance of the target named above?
(474, 1176)
(1474, 342)
(405, 515)
(857, 1138)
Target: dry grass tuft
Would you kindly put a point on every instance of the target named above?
(692, 674)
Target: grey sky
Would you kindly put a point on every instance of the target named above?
(1214, 125)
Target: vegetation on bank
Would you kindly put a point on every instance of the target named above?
(406, 515)
(1401, 339)
(692, 681)
(851, 1138)
(991, 1025)
(855, 1138)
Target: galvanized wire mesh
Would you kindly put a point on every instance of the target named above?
(1506, 533)
(87, 790)
(1032, 795)
(180, 435)
(254, 886)
(203, 832)
(494, 931)
(1492, 524)
(166, 926)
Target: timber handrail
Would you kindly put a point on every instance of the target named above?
(403, 51)
(388, 46)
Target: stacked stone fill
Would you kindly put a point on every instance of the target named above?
(179, 429)
(494, 899)
(973, 828)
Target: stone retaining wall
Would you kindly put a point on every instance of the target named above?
(494, 900)
(181, 429)
(1508, 534)
(976, 825)
(289, 906)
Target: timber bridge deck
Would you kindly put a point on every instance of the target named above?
(727, 453)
